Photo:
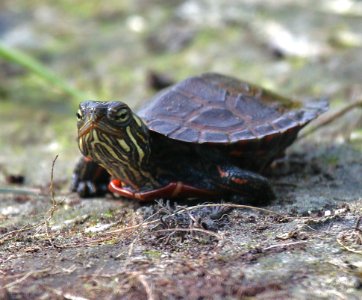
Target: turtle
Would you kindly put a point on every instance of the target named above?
(207, 137)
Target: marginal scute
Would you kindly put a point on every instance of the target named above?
(265, 129)
(296, 115)
(242, 135)
(219, 137)
(188, 134)
(164, 127)
(283, 122)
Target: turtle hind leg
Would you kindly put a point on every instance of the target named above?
(245, 187)
(89, 179)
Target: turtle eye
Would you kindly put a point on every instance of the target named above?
(79, 115)
(121, 116)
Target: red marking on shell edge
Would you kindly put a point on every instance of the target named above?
(172, 190)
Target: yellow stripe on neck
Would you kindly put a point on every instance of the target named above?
(140, 151)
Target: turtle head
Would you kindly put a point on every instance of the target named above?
(114, 137)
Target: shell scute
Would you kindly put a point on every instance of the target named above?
(225, 118)
(177, 105)
(201, 90)
(256, 109)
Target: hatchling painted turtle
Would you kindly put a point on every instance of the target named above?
(204, 137)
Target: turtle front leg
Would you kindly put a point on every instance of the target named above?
(89, 179)
(244, 186)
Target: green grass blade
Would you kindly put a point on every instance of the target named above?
(36, 67)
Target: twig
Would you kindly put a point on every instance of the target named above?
(3, 238)
(191, 230)
(356, 233)
(333, 117)
(50, 213)
(230, 205)
(66, 296)
(358, 223)
(144, 224)
(27, 275)
(84, 242)
(131, 247)
(285, 245)
(142, 279)
(350, 249)
(51, 188)
(54, 203)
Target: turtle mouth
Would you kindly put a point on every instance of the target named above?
(87, 128)
(96, 142)
(99, 126)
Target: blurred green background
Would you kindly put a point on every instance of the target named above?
(55, 53)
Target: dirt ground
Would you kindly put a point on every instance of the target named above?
(307, 244)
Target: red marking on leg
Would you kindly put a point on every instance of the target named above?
(172, 190)
(239, 180)
(222, 173)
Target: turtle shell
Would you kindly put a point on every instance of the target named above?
(214, 108)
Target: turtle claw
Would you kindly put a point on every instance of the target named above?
(89, 179)
(85, 189)
(88, 189)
